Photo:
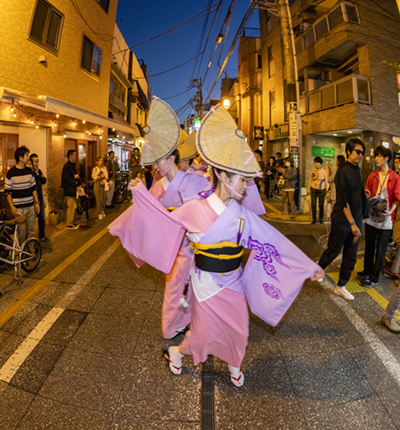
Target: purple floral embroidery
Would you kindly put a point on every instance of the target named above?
(266, 254)
(206, 193)
(272, 291)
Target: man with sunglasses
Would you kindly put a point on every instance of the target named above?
(347, 216)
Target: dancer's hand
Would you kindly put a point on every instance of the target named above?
(318, 274)
(134, 182)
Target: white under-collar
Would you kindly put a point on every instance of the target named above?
(216, 203)
(165, 182)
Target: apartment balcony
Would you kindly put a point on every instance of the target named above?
(332, 39)
(351, 89)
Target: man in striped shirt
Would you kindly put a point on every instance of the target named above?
(20, 189)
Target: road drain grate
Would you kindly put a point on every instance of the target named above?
(207, 395)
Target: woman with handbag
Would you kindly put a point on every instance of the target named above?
(100, 178)
(290, 180)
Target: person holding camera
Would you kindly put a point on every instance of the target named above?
(383, 190)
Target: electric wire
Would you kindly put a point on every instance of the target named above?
(228, 23)
(173, 68)
(246, 17)
(208, 37)
(203, 30)
(188, 21)
(176, 95)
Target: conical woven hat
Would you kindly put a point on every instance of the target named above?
(162, 132)
(221, 144)
(182, 137)
(187, 149)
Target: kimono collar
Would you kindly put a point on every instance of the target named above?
(165, 183)
(216, 203)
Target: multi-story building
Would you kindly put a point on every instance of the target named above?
(128, 100)
(250, 88)
(345, 89)
(55, 62)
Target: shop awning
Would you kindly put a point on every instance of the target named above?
(56, 106)
(49, 104)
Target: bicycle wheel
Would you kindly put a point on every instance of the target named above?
(120, 195)
(31, 250)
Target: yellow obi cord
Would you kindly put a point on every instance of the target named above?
(200, 248)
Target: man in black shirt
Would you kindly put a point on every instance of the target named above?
(40, 180)
(347, 217)
(68, 183)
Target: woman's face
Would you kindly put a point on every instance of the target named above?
(164, 165)
(100, 163)
(184, 165)
(271, 161)
(239, 185)
(317, 165)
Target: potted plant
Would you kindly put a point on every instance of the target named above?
(55, 197)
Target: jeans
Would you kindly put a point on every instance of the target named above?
(289, 196)
(339, 238)
(71, 206)
(110, 193)
(393, 304)
(41, 220)
(320, 195)
(376, 242)
(27, 229)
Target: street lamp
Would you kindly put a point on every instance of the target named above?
(227, 103)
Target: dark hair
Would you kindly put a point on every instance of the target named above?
(318, 160)
(136, 149)
(352, 143)
(176, 153)
(111, 152)
(341, 160)
(259, 152)
(70, 152)
(290, 160)
(20, 152)
(215, 177)
(385, 152)
(278, 153)
(273, 159)
(32, 156)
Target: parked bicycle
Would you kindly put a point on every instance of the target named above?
(121, 187)
(26, 256)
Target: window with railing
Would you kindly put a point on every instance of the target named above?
(344, 12)
(352, 89)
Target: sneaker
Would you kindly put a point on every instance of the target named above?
(44, 239)
(174, 358)
(362, 275)
(314, 222)
(100, 216)
(341, 291)
(73, 226)
(389, 274)
(391, 325)
(368, 283)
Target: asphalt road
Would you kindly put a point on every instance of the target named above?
(80, 348)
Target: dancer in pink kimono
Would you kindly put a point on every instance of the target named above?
(218, 228)
(172, 190)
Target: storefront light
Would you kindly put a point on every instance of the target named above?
(227, 103)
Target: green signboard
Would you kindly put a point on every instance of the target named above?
(323, 152)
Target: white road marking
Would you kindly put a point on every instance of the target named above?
(386, 357)
(12, 365)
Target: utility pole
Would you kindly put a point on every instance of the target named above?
(292, 107)
(198, 98)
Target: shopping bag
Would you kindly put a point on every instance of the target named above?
(307, 205)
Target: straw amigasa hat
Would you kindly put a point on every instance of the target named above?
(221, 144)
(162, 132)
(187, 148)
